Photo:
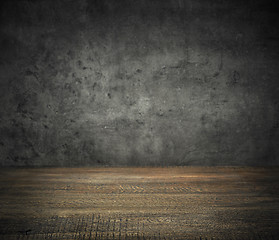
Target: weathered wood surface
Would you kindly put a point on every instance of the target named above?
(139, 203)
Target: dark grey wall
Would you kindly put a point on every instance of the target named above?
(139, 82)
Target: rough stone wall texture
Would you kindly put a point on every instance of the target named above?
(139, 82)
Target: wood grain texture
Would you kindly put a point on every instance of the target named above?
(139, 203)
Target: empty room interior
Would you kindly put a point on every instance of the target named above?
(139, 119)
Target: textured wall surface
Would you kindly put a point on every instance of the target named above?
(139, 82)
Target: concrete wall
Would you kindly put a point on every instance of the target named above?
(139, 82)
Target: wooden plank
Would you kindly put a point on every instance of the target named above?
(139, 203)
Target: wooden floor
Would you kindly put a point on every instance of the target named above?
(139, 203)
